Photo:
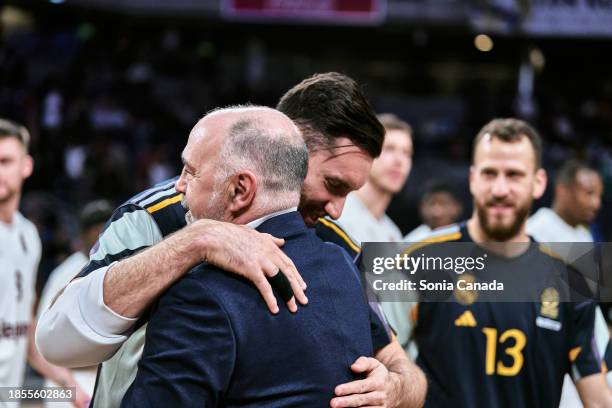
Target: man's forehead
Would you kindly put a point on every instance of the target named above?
(588, 177)
(491, 151)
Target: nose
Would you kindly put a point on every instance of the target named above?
(596, 203)
(180, 184)
(334, 207)
(500, 187)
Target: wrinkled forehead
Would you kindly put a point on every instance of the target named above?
(492, 152)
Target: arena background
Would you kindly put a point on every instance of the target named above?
(110, 88)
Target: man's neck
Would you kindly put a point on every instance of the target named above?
(564, 214)
(8, 209)
(255, 218)
(479, 236)
(375, 199)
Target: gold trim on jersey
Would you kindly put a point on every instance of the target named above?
(341, 234)
(573, 354)
(165, 203)
(452, 236)
(546, 250)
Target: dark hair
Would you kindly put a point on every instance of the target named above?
(434, 186)
(512, 130)
(329, 106)
(95, 213)
(569, 169)
(8, 128)
(391, 121)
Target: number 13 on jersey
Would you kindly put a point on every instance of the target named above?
(516, 340)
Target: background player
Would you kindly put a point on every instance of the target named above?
(508, 354)
(576, 203)
(20, 251)
(439, 206)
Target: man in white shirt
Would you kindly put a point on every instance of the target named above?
(92, 219)
(577, 200)
(364, 215)
(20, 251)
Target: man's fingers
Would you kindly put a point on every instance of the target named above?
(296, 282)
(370, 399)
(356, 387)
(281, 285)
(278, 241)
(264, 288)
(364, 364)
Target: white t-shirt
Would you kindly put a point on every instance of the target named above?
(60, 277)
(361, 225)
(546, 226)
(20, 251)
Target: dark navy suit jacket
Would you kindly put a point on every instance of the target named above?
(212, 341)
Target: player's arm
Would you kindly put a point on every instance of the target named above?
(189, 351)
(594, 391)
(92, 316)
(590, 345)
(59, 375)
(131, 285)
(392, 381)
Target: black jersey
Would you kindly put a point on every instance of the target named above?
(507, 354)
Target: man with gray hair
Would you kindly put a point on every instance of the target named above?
(210, 341)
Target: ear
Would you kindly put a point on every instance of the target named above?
(539, 184)
(242, 188)
(28, 166)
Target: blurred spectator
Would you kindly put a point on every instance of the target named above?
(439, 206)
(577, 200)
(92, 219)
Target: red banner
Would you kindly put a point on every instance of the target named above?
(347, 11)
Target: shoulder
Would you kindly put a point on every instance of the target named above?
(30, 232)
(540, 223)
(329, 230)
(201, 285)
(418, 233)
(451, 233)
(163, 203)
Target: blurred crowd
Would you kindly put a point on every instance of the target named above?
(110, 105)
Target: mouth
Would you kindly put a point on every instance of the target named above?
(500, 209)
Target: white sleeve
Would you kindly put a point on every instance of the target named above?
(80, 330)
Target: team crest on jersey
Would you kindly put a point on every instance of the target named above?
(466, 297)
(550, 303)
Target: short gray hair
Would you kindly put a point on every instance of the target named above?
(281, 162)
